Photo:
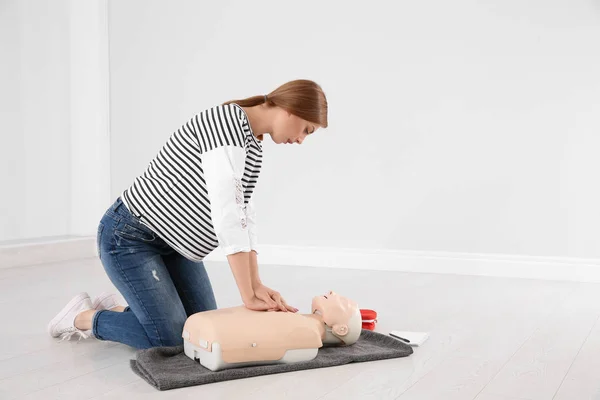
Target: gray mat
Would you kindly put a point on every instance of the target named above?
(169, 368)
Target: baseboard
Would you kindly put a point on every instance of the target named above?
(47, 251)
(507, 266)
(497, 265)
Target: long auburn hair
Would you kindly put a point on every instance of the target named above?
(301, 97)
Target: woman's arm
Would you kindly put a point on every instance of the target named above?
(243, 274)
(245, 271)
(223, 173)
(254, 278)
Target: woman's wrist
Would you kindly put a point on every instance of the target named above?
(256, 282)
(246, 293)
(247, 299)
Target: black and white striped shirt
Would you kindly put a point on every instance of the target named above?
(196, 194)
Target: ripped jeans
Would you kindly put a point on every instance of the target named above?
(161, 286)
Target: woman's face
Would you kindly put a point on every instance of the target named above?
(289, 128)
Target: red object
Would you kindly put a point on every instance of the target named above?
(369, 318)
(368, 314)
(368, 325)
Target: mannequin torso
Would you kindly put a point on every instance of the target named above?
(237, 336)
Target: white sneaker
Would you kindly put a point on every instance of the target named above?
(63, 325)
(105, 301)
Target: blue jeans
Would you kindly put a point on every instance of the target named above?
(161, 286)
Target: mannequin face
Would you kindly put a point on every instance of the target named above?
(289, 128)
(335, 310)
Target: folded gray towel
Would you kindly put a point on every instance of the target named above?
(169, 368)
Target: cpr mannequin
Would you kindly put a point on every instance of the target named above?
(237, 337)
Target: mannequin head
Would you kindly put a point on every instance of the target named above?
(340, 315)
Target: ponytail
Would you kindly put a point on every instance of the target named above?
(303, 98)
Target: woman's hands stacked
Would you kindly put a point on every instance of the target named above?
(267, 299)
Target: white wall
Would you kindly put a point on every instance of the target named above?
(34, 119)
(54, 163)
(461, 126)
(90, 136)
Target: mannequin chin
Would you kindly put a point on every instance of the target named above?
(237, 337)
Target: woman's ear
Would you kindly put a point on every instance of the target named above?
(340, 329)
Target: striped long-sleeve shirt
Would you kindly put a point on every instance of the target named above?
(196, 194)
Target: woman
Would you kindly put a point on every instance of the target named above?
(194, 196)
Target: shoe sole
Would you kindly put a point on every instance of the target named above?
(66, 309)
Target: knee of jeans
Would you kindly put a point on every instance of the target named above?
(173, 335)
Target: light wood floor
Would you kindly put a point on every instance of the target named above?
(491, 338)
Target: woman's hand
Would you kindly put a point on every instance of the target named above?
(254, 303)
(272, 298)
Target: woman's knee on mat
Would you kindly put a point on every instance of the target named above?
(168, 332)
